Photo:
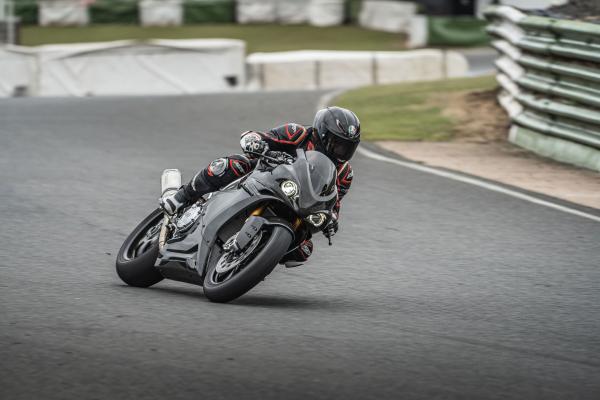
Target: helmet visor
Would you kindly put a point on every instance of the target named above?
(340, 148)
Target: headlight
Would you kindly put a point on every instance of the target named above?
(317, 219)
(289, 188)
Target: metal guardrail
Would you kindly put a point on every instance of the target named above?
(549, 71)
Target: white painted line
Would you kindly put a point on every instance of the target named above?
(476, 182)
(328, 97)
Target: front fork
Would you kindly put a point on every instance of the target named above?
(296, 225)
(164, 232)
(260, 210)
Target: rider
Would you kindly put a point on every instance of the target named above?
(335, 133)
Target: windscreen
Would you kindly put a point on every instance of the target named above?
(322, 173)
(315, 176)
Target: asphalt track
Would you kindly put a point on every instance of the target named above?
(434, 289)
(481, 60)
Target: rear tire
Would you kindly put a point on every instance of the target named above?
(255, 271)
(137, 269)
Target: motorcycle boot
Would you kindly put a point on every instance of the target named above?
(172, 202)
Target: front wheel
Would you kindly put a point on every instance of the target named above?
(233, 275)
(136, 258)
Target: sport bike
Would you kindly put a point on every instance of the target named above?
(230, 240)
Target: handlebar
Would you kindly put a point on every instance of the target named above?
(277, 157)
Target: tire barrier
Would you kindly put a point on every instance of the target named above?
(549, 72)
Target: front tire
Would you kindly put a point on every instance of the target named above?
(136, 258)
(261, 265)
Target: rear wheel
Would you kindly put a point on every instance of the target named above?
(136, 258)
(235, 274)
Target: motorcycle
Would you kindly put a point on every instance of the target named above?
(230, 240)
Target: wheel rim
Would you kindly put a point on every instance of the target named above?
(230, 263)
(144, 241)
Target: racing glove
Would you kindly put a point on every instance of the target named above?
(331, 228)
(253, 143)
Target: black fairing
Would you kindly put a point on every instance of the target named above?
(184, 257)
(312, 171)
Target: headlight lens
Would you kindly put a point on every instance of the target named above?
(317, 219)
(289, 188)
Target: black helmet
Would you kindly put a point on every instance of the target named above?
(339, 132)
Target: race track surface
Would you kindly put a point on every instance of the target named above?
(433, 289)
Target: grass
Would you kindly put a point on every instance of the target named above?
(258, 37)
(410, 111)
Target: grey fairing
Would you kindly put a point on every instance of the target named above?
(312, 171)
(176, 260)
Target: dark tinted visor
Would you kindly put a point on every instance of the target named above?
(341, 149)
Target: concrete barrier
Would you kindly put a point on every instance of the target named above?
(314, 12)
(418, 65)
(388, 16)
(343, 69)
(161, 12)
(326, 12)
(292, 11)
(395, 17)
(211, 65)
(17, 71)
(256, 11)
(154, 67)
(63, 12)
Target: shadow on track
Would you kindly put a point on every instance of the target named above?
(289, 302)
(282, 301)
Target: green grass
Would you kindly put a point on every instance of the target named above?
(258, 37)
(410, 111)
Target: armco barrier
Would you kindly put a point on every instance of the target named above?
(549, 71)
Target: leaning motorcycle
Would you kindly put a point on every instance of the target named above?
(230, 240)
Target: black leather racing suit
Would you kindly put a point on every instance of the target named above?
(287, 138)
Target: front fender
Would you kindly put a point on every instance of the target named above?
(281, 222)
(222, 208)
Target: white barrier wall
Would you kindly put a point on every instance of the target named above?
(17, 70)
(213, 65)
(418, 32)
(315, 12)
(388, 16)
(343, 69)
(395, 17)
(63, 12)
(455, 64)
(326, 12)
(421, 65)
(156, 67)
(292, 11)
(298, 70)
(256, 11)
(161, 12)
(532, 4)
